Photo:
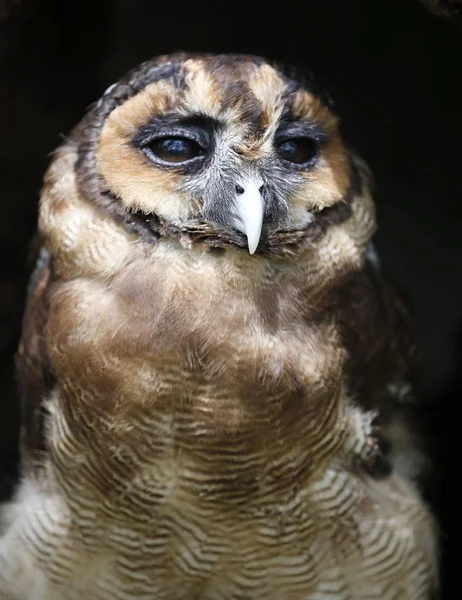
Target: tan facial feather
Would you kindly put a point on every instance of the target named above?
(202, 95)
(268, 88)
(309, 107)
(328, 182)
(140, 185)
(131, 177)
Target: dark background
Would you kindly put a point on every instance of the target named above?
(395, 72)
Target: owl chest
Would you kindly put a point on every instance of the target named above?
(170, 506)
(232, 340)
(224, 391)
(339, 533)
(194, 436)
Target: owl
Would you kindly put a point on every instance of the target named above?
(216, 377)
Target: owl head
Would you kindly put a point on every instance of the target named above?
(231, 150)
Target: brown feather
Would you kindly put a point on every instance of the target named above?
(215, 422)
(33, 368)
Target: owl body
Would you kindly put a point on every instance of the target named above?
(208, 353)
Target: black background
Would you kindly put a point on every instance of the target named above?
(395, 73)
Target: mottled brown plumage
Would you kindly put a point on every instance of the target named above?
(201, 422)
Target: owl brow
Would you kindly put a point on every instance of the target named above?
(198, 127)
(293, 128)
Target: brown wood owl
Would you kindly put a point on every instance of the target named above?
(216, 378)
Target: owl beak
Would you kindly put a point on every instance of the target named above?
(249, 211)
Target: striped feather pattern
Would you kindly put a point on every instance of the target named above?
(210, 417)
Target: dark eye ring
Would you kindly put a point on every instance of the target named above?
(301, 151)
(173, 150)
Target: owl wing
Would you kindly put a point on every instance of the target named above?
(33, 369)
(382, 370)
(375, 321)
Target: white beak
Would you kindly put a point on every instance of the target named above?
(250, 208)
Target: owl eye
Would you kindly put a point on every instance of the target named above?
(175, 150)
(298, 151)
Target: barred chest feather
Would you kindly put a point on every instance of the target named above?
(202, 443)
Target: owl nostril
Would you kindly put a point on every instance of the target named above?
(261, 189)
(239, 189)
